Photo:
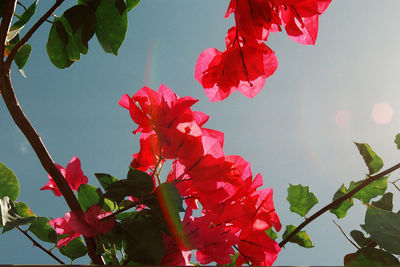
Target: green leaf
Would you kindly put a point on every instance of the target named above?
(22, 56)
(25, 17)
(56, 45)
(43, 230)
(131, 4)
(24, 210)
(386, 202)
(88, 196)
(75, 249)
(80, 24)
(300, 199)
(9, 185)
(341, 209)
(367, 256)
(373, 161)
(384, 228)
(301, 238)
(108, 205)
(142, 183)
(271, 233)
(105, 179)
(361, 240)
(10, 216)
(144, 239)
(112, 24)
(397, 141)
(370, 191)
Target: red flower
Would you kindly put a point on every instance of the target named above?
(243, 66)
(258, 248)
(73, 174)
(62, 227)
(165, 122)
(256, 18)
(78, 223)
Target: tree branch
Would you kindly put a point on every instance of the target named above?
(336, 202)
(20, 119)
(8, 13)
(32, 31)
(35, 243)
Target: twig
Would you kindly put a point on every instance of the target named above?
(35, 243)
(345, 235)
(31, 32)
(395, 185)
(338, 201)
(110, 216)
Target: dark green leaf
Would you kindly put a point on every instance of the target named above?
(75, 249)
(43, 230)
(9, 185)
(301, 199)
(88, 196)
(119, 189)
(370, 191)
(25, 17)
(112, 23)
(56, 45)
(271, 233)
(105, 179)
(80, 24)
(397, 141)
(24, 210)
(141, 182)
(144, 240)
(22, 55)
(384, 228)
(367, 256)
(301, 238)
(131, 4)
(373, 161)
(341, 209)
(386, 202)
(361, 240)
(10, 216)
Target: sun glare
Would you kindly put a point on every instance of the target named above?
(382, 113)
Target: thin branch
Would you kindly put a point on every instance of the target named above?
(35, 243)
(345, 235)
(24, 7)
(395, 185)
(112, 215)
(338, 201)
(32, 31)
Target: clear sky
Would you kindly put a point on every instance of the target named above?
(299, 129)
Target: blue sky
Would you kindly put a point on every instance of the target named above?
(299, 129)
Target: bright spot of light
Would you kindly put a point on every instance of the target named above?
(382, 113)
(342, 118)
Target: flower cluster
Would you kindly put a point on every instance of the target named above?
(247, 62)
(76, 223)
(235, 211)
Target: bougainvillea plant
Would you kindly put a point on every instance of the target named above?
(207, 207)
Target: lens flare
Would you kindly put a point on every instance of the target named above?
(382, 113)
